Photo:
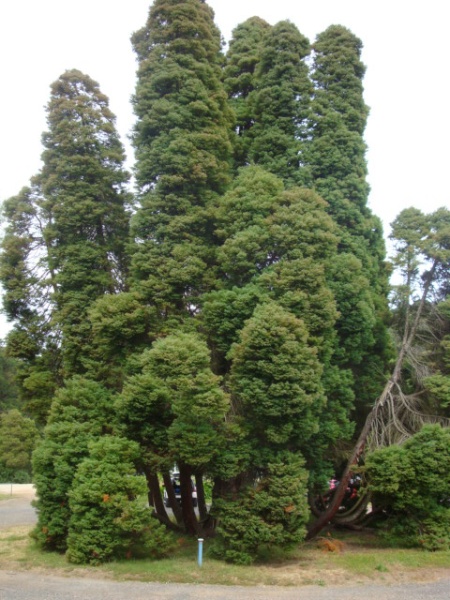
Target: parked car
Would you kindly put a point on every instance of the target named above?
(175, 477)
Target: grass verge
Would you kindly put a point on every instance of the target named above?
(361, 559)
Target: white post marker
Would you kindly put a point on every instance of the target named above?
(200, 552)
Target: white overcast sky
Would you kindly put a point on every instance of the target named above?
(406, 51)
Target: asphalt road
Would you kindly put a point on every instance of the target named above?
(16, 511)
(29, 586)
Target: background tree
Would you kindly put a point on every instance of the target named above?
(65, 240)
(83, 195)
(8, 385)
(436, 383)
(28, 283)
(18, 437)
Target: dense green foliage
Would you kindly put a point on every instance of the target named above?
(271, 513)
(239, 333)
(18, 437)
(82, 411)
(267, 81)
(335, 158)
(239, 78)
(108, 519)
(411, 484)
(82, 183)
(65, 241)
(8, 385)
(183, 152)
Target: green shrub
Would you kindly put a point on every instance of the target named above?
(411, 485)
(80, 413)
(108, 518)
(273, 513)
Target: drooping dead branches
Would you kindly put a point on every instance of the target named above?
(393, 414)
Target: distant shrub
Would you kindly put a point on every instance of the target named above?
(18, 437)
(14, 475)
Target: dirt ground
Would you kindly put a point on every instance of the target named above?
(18, 489)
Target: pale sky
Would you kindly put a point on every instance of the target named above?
(406, 84)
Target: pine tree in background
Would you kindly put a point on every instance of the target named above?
(83, 192)
(18, 437)
(65, 241)
(8, 386)
(183, 153)
(29, 287)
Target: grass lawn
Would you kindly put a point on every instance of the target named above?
(358, 558)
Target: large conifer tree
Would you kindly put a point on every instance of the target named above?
(183, 150)
(335, 157)
(83, 195)
(289, 301)
(65, 239)
(267, 80)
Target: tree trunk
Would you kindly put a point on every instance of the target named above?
(155, 500)
(172, 500)
(155, 493)
(189, 517)
(201, 502)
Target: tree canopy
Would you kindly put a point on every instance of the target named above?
(229, 318)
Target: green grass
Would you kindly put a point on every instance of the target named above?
(363, 558)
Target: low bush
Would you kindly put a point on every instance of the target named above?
(271, 514)
(108, 519)
(411, 485)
